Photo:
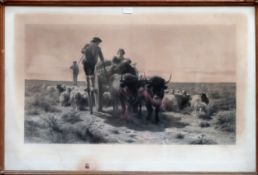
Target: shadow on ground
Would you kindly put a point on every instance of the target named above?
(139, 123)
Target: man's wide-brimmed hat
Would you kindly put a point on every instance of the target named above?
(96, 40)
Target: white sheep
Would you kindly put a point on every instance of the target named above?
(78, 99)
(107, 99)
(51, 89)
(60, 88)
(170, 103)
(197, 103)
(199, 107)
(64, 97)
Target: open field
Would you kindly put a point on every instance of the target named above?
(46, 121)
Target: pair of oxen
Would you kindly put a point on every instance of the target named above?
(133, 92)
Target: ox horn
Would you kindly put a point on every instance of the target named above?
(145, 78)
(169, 79)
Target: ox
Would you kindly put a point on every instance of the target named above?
(152, 94)
(129, 85)
(115, 91)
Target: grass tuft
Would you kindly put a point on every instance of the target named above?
(180, 136)
(71, 117)
(204, 124)
(202, 140)
(226, 121)
(41, 102)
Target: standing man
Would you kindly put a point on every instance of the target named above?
(92, 52)
(75, 69)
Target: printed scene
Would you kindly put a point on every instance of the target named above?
(130, 83)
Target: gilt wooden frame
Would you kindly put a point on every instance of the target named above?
(4, 3)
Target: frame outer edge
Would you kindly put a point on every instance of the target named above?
(2, 85)
(129, 2)
(117, 173)
(4, 3)
(256, 79)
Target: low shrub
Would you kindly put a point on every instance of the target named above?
(71, 117)
(215, 95)
(30, 128)
(202, 140)
(52, 123)
(204, 124)
(180, 136)
(226, 121)
(204, 115)
(40, 103)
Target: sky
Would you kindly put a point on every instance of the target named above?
(191, 51)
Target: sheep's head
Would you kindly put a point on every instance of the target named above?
(69, 89)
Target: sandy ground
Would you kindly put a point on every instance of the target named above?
(64, 125)
(174, 128)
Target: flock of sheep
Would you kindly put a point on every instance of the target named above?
(173, 100)
(177, 100)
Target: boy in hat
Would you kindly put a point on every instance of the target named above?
(119, 58)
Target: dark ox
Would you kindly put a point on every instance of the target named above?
(112, 77)
(129, 85)
(152, 94)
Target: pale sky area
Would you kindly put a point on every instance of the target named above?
(191, 52)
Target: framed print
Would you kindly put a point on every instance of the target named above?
(128, 87)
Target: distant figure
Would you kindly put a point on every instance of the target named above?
(75, 69)
(92, 52)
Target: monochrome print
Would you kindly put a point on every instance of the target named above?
(130, 79)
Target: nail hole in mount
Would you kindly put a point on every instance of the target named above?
(87, 166)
